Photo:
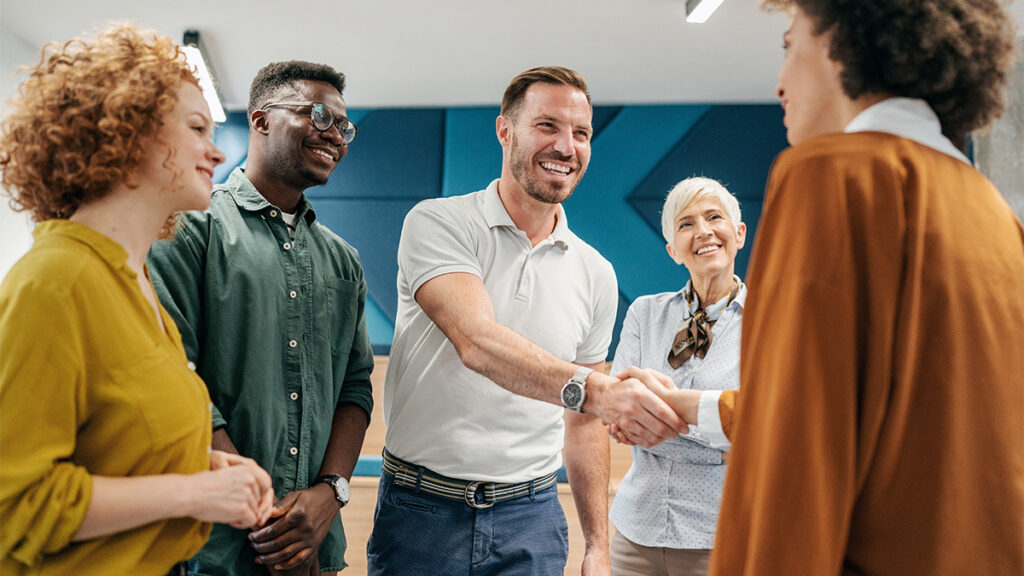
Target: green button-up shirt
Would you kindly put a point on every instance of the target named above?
(277, 328)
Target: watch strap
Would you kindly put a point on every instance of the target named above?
(578, 380)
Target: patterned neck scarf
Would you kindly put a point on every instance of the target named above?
(693, 335)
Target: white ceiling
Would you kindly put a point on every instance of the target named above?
(457, 52)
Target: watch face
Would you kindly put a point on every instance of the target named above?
(572, 395)
(340, 486)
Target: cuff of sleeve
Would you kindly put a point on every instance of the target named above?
(709, 423)
(217, 418)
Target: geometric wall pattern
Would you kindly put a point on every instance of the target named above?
(403, 156)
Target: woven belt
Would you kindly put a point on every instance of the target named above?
(475, 494)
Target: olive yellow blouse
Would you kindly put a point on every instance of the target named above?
(89, 385)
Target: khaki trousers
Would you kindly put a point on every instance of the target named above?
(630, 559)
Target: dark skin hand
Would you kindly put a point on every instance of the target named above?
(300, 521)
(298, 524)
(309, 568)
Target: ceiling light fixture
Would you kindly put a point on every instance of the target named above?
(698, 11)
(195, 54)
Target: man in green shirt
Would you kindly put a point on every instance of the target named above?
(271, 308)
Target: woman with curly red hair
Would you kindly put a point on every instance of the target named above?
(105, 433)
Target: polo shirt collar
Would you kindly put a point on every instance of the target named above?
(248, 198)
(496, 215)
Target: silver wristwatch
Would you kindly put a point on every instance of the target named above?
(575, 390)
(338, 483)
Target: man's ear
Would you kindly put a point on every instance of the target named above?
(503, 129)
(258, 121)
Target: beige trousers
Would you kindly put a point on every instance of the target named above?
(629, 559)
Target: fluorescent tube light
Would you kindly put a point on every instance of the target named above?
(195, 56)
(698, 11)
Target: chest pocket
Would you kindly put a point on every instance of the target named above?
(342, 314)
(170, 399)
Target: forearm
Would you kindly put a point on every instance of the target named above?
(515, 363)
(120, 504)
(460, 306)
(587, 464)
(221, 441)
(348, 430)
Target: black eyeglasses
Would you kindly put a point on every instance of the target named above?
(323, 119)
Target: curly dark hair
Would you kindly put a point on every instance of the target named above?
(272, 77)
(516, 91)
(954, 54)
(79, 124)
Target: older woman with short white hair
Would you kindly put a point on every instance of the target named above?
(666, 509)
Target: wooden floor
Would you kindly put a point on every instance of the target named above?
(358, 515)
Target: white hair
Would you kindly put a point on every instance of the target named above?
(690, 190)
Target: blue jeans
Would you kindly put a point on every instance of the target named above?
(417, 533)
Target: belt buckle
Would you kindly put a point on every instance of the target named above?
(470, 496)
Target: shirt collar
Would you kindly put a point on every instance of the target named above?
(109, 250)
(247, 197)
(496, 215)
(911, 118)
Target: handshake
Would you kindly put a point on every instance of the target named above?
(642, 406)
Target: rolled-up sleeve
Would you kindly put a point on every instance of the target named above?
(43, 496)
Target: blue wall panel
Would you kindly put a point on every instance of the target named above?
(472, 157)
(623, 154)
(397, 154)
(402, 156)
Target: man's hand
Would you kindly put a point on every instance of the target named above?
(302, 520)
(641, 416)
(685, 402)
(596, 564)
(310, 567)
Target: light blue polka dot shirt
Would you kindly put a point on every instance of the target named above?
(671, 494)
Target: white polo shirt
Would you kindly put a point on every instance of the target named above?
(561, 294)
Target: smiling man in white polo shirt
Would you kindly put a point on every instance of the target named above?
(504, 315)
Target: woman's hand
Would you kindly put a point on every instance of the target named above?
(236, 491)
(684, 402)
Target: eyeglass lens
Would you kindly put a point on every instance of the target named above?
(324, 119)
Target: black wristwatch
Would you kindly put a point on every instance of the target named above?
(339, 484)
(575, 390)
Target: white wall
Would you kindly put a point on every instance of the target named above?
(15, 227)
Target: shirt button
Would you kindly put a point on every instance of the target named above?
(191, 366)
(273, 213)
(292, 343)
(293, 450)
(287, 245)
(294, 395)
(293, 294)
